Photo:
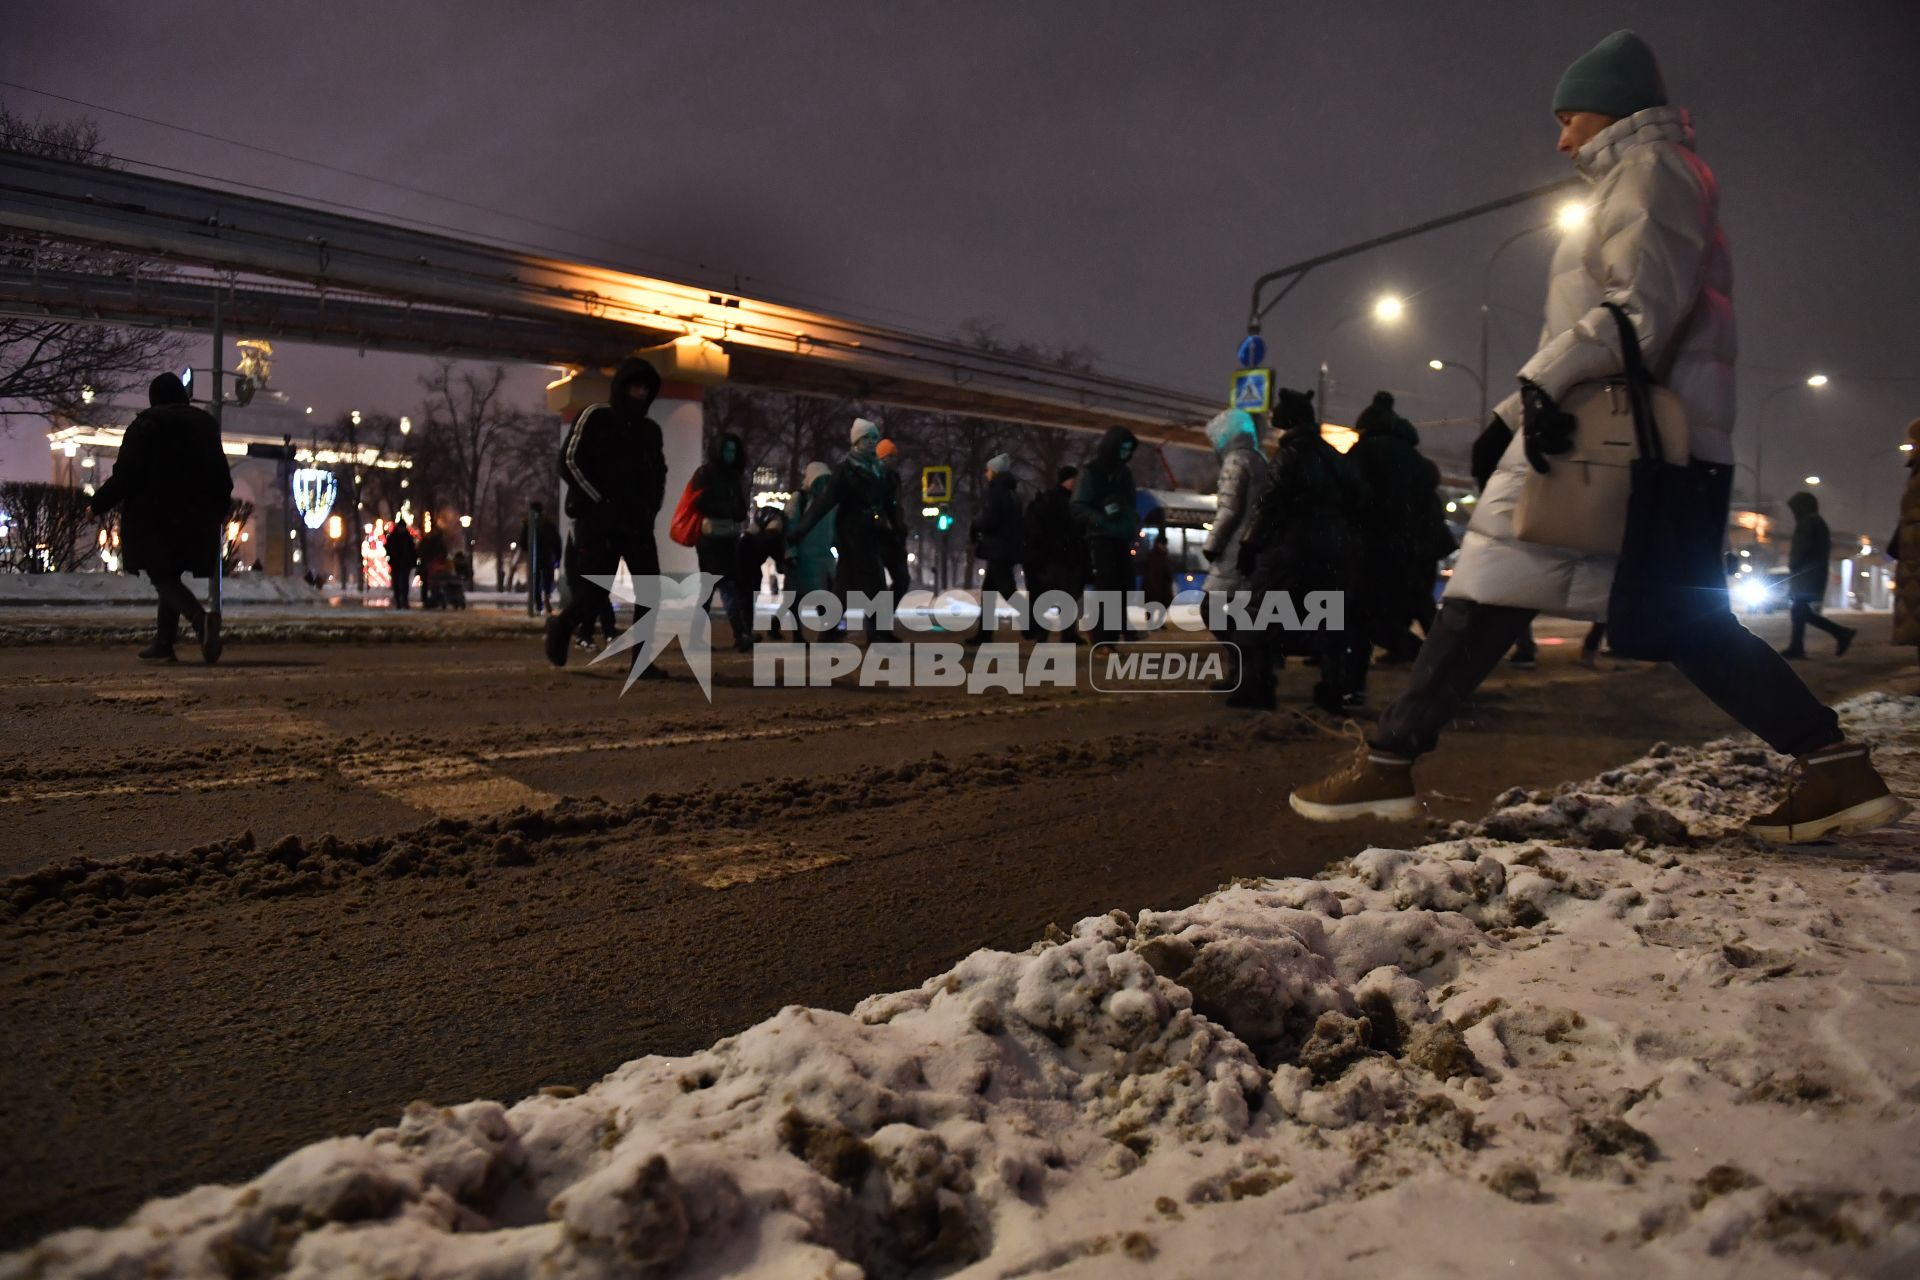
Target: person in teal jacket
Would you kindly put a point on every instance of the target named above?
(812, 558)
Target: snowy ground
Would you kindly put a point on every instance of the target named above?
(1599, 1033)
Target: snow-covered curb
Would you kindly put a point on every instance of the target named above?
(1596, 1034)
(122, 588)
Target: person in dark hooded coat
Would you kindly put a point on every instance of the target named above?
(721, 482)
(861, 498)
(1302, 539)
(614, 464)
(1056, 551)
(402, 554)
(1809, 561)
(1109, 515)
(173, 485)
(997, 537)
(1397, 535)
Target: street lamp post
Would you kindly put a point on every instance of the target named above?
(1438, 365)
(1570, 216)
(1815, 381)
(1386, 309)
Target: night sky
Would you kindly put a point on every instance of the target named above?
(1110, 175)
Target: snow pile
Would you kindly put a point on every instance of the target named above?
(1609, 1052)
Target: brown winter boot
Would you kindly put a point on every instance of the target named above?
(1375, 784)
(1835, 789)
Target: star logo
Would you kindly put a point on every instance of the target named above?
(669, 608)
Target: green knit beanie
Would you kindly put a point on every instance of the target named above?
(1616, 77)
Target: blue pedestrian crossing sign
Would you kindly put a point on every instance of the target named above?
(1253, 390)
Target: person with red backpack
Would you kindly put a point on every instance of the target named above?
(614, 465)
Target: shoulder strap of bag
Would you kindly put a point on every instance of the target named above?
(1634, 363)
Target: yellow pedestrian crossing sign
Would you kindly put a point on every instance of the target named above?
(936, 484)
(1253, 390)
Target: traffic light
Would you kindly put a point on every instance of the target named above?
(945, 522)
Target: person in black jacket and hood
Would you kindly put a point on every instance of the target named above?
(172, 480)
(997, 538)
(1103, 503)
(1056, 551)
(1302, 538)
(1809, 561)
(614, 464)
(402, 554)
(721, 483)
(1397, 535)
(861, 497)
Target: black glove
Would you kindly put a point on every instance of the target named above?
(1487, 448)
(1209, 555)
(1545, 426)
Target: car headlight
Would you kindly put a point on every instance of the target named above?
(1750, 594)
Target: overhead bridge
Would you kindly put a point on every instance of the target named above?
(277, 269)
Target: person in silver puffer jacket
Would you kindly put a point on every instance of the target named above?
(1243, 478)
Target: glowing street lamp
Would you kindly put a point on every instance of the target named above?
(466, 522)
(1817, 381)
(406, 424)
(1813, 480)
(354, 417)
(86, 395)
(1386, 309)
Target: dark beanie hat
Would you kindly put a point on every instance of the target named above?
(1377, 415)
(1296, 410)
(1616, 77)
(167, 389)
(1066, 474)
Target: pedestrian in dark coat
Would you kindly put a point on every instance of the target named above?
(1109, 516)
(864, 519)
(545, 560)
(1397, 530)
(899, 579)
(1809, 561)
(1905, 550)
(1302, 540)
(403, 553)
(721, 483)
(1056, 549)
(613, 461)
(174, 488)
(997, 536)
(765, 539)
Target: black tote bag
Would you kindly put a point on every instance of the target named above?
(1671, 577)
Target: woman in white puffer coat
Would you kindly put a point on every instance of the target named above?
(1653, 247)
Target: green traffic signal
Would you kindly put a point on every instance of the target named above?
(945, 522)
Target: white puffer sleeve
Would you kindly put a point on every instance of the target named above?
(1652, 231)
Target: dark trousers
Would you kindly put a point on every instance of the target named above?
(997, 585)
(1801, 611)
(1596, 635)
(176, 602)
(598, 552)
(1112, 572)
(402, 587)
(1736, 669)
